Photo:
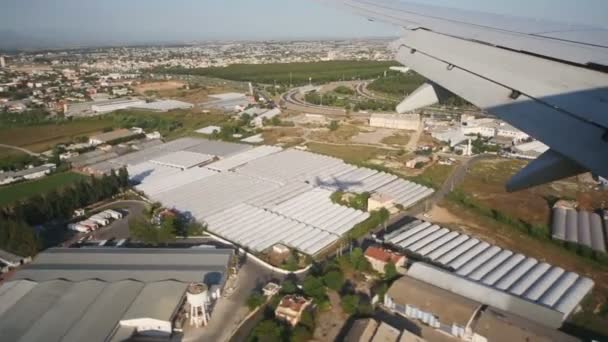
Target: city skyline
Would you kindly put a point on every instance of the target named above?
(70, 23)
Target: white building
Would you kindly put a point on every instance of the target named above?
(258, 121)
(112, 105)
(27, 174)
(396, 121)
(2, 62)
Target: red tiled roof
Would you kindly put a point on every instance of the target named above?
(294, 303)
(383, 254)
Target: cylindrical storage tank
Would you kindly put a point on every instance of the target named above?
(197, 294)
(490, 265)
(503, 269)
(478, 260)
(557, 290)
(598, 240)
(584, 232)
(571, 226)
(468, 255)
(575, 294)
(543, 283)
(558, 226)
(526, 280)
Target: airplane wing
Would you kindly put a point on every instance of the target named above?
(548, 79)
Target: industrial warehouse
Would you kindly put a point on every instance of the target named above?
(110, 294)
(489, 274)
(261, 196)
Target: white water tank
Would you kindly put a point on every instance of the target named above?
(197, 294)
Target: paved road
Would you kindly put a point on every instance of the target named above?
(292, 102)
(362, 90)
(17, 148)
(230, 311)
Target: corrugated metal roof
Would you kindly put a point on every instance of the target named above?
(158, 300)
(116, 264)
(220, 149)
(242, 158)
(487, 295)
(182, 159)
(486, 264)
(78, 295)
(165, 105)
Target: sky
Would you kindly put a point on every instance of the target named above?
(148, 21)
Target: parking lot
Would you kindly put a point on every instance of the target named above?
(118, 229)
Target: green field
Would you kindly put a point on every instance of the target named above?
(397, 84)
(39, 138)
(292, 73)
(12, 193)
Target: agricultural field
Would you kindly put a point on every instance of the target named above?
(171, 125)
(350, 154)
(399, 139)
(13, 193)
(434, 175)
(485, 182)
(342, 135)
(199, 89)
(292, 73)
(40, 138)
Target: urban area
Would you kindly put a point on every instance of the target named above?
(269, 191)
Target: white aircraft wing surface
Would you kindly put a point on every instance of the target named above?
(548, 79)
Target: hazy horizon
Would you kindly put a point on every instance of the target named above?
(38, 24)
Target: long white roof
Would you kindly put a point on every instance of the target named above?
(493, 267)
(267, 190)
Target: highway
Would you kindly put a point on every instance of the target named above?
(361, 89)
(292, 102)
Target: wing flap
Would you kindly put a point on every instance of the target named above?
(586, 145)
(553, 40)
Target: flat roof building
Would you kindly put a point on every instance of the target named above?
(461, 317)
(104, 294)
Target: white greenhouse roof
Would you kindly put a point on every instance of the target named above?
(182, 159)
(165, 105)
(243, 158)
(493, 267)
(315, 208)
(287, 186)
(260, 229)
(209, 129)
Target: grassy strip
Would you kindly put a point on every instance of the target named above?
(14, 193)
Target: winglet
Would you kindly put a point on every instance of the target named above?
(549, 167)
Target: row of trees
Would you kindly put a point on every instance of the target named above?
(17, 220)
(290, 73)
